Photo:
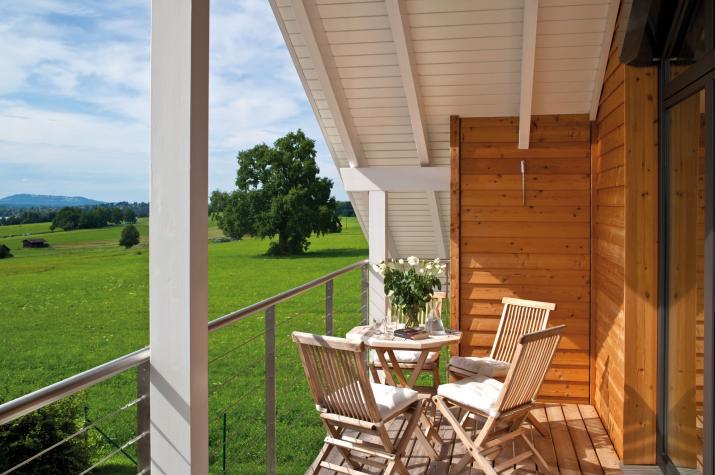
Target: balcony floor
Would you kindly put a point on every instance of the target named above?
(579, 444)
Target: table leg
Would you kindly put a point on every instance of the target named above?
(398, 371)
(418, 369)
(385, 367)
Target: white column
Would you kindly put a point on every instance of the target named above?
(179, 238)
(377, 241)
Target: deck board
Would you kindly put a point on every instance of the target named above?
(579, 445)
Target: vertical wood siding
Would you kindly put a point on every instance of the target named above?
(537, 251)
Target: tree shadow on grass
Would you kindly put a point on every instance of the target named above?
(320, 254)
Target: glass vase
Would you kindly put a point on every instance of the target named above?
(434, 325)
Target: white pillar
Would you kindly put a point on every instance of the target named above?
(178, 281)
(377, 242)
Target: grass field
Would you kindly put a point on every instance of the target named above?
(84, 301)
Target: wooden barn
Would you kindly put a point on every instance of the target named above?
(35, 243)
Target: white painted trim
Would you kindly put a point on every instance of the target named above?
(415, 179)
(308, 18)
(178, 261)
(311, 100)
(603, 60)
(377, 244)
(528, 54)
(433, 205)
(396, 11)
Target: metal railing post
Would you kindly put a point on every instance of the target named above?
(143, 423)
(363, 294)
(329, 308)
(270, 382)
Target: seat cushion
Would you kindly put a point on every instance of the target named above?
(406, 356)
(392, 400)
(478, 392)
(485, 366)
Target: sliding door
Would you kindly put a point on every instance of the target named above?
(685, 304)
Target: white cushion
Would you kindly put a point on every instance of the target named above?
(406, 356)
(485, 366)
(478, 392)
(392, 400)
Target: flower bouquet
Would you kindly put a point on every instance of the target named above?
(409, 284)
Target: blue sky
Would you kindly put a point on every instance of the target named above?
(74, 95)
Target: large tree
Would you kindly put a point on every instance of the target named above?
(279, 193)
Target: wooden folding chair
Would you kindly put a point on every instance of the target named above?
(347, 401)
(408, 359)
(518, 318)
(503, 406)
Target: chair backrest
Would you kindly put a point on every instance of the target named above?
(518, 318)
(337, 376)
(528, 369)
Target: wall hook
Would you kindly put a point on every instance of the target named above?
(523, 183)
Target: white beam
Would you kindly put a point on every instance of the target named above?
(308, 19)
(528, 53)
(396, 179)
(603, 59)
(396, 11)
(405, 58)
(377, 244)
(178, 277)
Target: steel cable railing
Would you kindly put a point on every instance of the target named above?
(14, 409)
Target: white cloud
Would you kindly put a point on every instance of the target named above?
(74, 94)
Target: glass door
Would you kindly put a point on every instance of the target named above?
(685, 284)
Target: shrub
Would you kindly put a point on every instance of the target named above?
(130, 236)
(4, 252)
(41, 429)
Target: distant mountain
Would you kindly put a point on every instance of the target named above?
(45, 201)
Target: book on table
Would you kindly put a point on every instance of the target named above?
(411, 333)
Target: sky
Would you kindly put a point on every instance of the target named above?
(74, 95)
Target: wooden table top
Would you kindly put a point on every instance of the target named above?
(365, 334)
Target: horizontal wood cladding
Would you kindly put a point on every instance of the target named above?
(608, 241)
(538, 250)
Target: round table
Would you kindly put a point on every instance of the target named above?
(385, 350)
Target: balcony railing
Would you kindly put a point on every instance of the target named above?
(139, 360)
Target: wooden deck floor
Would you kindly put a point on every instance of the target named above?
(578, 444)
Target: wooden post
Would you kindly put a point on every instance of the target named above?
(455, 226)
(178, 277)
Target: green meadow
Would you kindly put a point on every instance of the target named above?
(84, 300)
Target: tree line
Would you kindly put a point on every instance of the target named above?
(70, 218)
(77, 217)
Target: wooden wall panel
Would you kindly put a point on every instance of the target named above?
(608, 263)
(624, 273)
(537, 251)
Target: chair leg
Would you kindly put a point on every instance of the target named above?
(337, 433)
(435, 375)
(539, 458)
(324, 452)
(540, 428)
(375, 374)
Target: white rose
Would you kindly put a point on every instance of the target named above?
(422, 271)
(428, 266)
(436, 261)
(413, 261)
(401, 261)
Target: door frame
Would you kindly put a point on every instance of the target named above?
(699, 77)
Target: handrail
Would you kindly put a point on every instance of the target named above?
(35, 400)
(233, 317)
(16, 408)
